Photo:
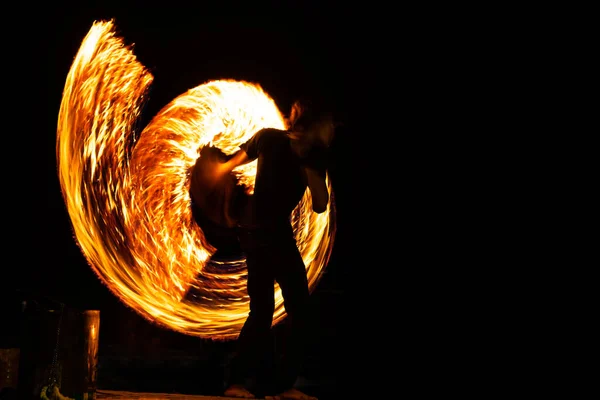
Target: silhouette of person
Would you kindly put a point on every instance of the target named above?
(289, 162)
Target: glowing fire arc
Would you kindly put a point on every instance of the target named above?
(126, 192)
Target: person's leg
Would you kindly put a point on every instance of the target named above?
(291, 276)
(255, 335)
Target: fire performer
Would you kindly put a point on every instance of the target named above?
(289, 161)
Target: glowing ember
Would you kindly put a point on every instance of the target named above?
(126, 192)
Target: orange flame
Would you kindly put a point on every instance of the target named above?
(127, 193)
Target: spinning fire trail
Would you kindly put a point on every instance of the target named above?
(126, 192)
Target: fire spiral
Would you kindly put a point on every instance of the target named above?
(126, 190)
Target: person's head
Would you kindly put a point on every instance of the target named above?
(320, 131)
(316, 129)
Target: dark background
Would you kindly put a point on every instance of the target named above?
(293, 51)
(402, 306)
(415, 296)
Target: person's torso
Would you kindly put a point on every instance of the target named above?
(280, 181)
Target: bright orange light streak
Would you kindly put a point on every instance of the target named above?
(126, 192)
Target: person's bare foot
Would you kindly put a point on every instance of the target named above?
(238, 391)
(291, 394)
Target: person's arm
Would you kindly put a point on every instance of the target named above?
(239, 158)
(217, 171)
(318, 190)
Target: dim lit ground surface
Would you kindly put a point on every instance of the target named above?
(174, 375)
(122, 395)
